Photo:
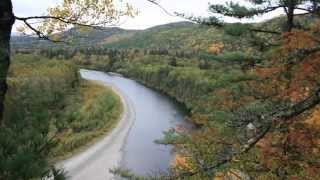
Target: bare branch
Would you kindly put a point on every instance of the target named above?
(40, 34)
(62, 19)
(155, 2)
(43, 36)
(264, 31)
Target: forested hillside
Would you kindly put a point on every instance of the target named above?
(75, 37)
(175, 36)
(226, 78)
(252, 94)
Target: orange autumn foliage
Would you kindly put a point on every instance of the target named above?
(216, 48)
(294, 83)
(302, 138)
(301, 78)
(304, 77)
(180, 163)
(314, 119)
(297, 39)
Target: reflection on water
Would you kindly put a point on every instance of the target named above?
(154, 113)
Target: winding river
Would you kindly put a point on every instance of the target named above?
(150, 112)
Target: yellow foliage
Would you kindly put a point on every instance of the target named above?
(89, 94)
(216, 48)
(232, 174)
(314, 119)
(95, 110)
(180, 163)
(71, 13)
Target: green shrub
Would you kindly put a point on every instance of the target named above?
(236, 29)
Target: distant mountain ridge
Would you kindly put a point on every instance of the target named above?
(90, 37)
(174, 36)
(93, 37)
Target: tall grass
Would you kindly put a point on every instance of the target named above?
(91, 113)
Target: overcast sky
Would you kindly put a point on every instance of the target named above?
(149, 14)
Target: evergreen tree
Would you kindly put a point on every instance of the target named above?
(292, 8)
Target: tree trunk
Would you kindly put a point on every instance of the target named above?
(6, 21)
(290, 16)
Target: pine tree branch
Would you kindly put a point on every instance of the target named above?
(300, 54)
(264, 31)
(238, 11)
(272, 118)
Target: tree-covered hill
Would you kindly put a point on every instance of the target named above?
(185, 36)
(73, 37)
(182, 35)
(174, 36)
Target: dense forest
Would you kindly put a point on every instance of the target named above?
(251, 91)
(225, 84)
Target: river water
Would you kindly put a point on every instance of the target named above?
(154, 113)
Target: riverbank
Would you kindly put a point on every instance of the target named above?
(90, 114)
(94, 163)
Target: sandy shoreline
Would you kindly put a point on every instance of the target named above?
(95, 162)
